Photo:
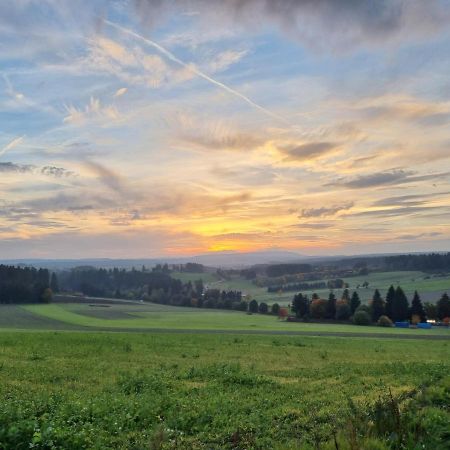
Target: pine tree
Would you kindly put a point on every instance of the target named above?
(443, 307)
(300, 305)
(400, 309)
(331, 306)
(417, 308)
(390, 298)
(54, 285)
(377, 306)
(345, 295)
(354, 302)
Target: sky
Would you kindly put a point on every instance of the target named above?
(150, 128)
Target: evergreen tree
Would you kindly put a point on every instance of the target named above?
(331, 306)
(390, 298)
(377, 306)
(417, 308)
(354, 302)
(300, 305)
(275, 309)
(54, 285)
(400, 307)
(430, 310)
(346, 295)
(443, 307)
(199, 287)
(253, 306)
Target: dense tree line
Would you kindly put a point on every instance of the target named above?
(24, 285)
(117, 282)
(188, 268)
(155, 286)
(297, 287)
(264, 281)
(425, 262)
(277, 270)
(394, 307)
(338, 283)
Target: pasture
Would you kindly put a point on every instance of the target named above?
(146, 376)
(429, 287)
(142, 317)
(201, 391)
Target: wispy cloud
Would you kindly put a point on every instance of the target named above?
(58, 172)
(120, 92)
(107, 176)
(308, 151)
(10, 145)
(393, 177)
(193, 69)
(410, 199)
(212, 135)
(18, 168)
(224, 60)
(93, 110)
(51, 171)
(325, 210)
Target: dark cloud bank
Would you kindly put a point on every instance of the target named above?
(316, 22)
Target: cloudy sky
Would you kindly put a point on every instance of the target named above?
(162, 128)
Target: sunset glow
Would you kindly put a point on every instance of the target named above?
(139, 129)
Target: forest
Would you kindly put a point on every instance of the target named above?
(24, 285)
(424, 262)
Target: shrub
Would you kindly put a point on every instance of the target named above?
(243, 305)
(361, 318)
(47, 295)
(263, 308)
(275, 309)
(318, 308)
(384, 321)
(365, 308)
(239, 306)
(283, 313)
(343, 311)
(415, 319)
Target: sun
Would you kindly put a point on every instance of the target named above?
(222, 247)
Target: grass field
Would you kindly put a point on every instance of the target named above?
(73, 386)
(430, 288)
(145, 391)
(151, 316)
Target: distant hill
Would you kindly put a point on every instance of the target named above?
(238, 260)
(216, 259)
(235, 259)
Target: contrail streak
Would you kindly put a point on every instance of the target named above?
(198, 72)
(11, 145)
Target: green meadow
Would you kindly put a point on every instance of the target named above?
(184, 378)
(129, 317)
(103, 390)
(429, 287)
